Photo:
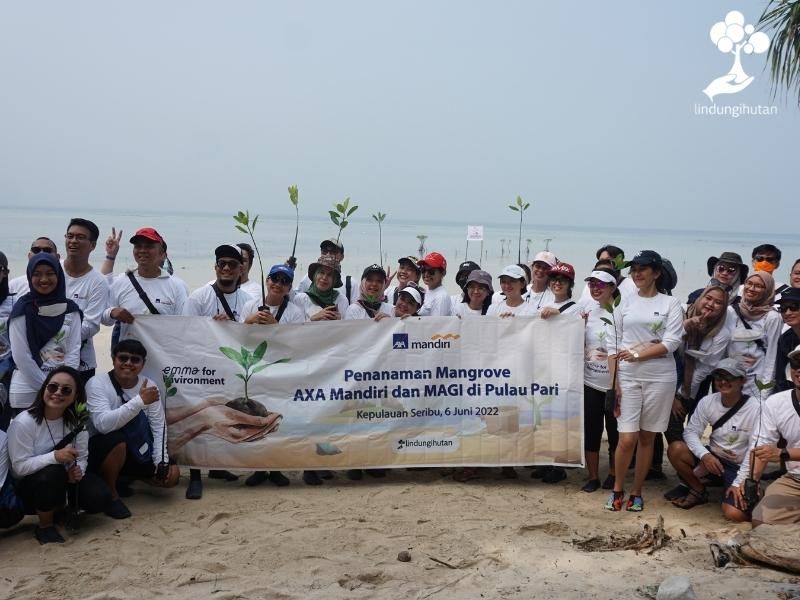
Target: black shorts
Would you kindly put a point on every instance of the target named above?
(101, 444)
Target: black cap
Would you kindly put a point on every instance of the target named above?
(228, 251)
(332, 243)
(468, 266)
(647, 258)
(373, 269)
(790, 295)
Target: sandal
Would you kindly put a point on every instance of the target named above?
(608, 482)
(635, 504)
(676, 493)
(592, 485)
(692, 499)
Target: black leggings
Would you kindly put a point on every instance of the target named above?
(594, 415)
(46, 490)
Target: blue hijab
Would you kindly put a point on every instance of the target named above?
(44, 315)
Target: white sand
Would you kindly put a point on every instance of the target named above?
(504, 539)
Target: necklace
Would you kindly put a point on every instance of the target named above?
(47, 424)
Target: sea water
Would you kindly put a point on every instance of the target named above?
(191, 239)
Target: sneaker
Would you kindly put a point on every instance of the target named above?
(311, 478)
(256, 478)
(278, 478)
(194, 491)
(608, 482)
(614, 501)
(554, 475)
(48, 535)
(635, 504)
(355, 474)
(591, 486)
(220, 474)
(118, 510)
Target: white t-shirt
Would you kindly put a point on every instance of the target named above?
(203, 302)
(596, 334)
(711, 351)
(90, 293)
(733, 436)
(64, 348)
(463, 310)
(166, 293)
(522, 310)
(108, 413)
(30, 444)
(642, 322)
(18, 286)
(356, 311)
(309, 309)
(574, 306)
(779, 419)
(291, 314)
(436, 304)
(252, 288)
(538, 300)
(744, 349)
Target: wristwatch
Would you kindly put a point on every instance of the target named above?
(785, 455)
(636, 355)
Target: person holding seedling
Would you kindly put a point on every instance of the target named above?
(370, 301)
(322, 301)
(44, 330)
(334, 249)
(252, 287)
(48, 448)
(129, 433)
(222, 301)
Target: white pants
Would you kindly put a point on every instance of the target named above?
(645, 405)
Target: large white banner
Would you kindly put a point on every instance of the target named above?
(428, 391)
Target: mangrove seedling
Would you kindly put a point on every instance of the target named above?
(340, 215)
(245, 225)
(294, 198)
(379, 219)
(421, 249)
(519, 207)
(249, 361)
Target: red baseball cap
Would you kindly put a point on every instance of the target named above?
(562, 269)
(148, 233)
(434, 260)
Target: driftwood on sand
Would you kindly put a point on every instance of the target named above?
(777, 546)
(649, 539)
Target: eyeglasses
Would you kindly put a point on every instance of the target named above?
(789, 306)
(600, 285)
(730, 270)
(78, 237)
(37, 249)
(133, 359)
(52, 388)
(223, 263)
(765, 258)
(280, 280)
(755, 286)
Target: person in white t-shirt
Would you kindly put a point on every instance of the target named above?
(512, 283)
(86, 286)
(19, 285)
(728, 443)
(649, 327)
(410, 299)
(322, 301)
(331, 248)
(437, 301)
(539, 293)
(371, 293)
(560, 280)
(477, 296)
(251, 286)
(614, 256)
(464, 269)
(408, 271)
(166, 294)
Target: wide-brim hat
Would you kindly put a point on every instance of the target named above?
(331, 263)
(669, 277)
(731, 258)
(481, 277)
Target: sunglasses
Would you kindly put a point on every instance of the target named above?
(561, 280)
(789, 306)
(723, 377)
(600, 285)
(430, 271)
(281, 280)
(227, 264)
(37, 249)
(727, 269)
(763, 258)
(129, 358)
(66, 390)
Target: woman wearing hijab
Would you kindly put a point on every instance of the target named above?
(44, 330)
(322, 302)
(756, 330)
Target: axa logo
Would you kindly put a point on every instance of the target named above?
(400, 341)
(734, 36)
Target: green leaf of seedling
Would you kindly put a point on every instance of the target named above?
(606, 321)
(519, 201)
(242, 229)
(334, 215)
(514, 208)
(527, 204)
(232, 354)
(340, 207)
(258, 369)
(245, 356)
(281, 360)
(346, 203)
(617, 300)
(260, 350)
(606, 306)
(171, 392)
(352, 210)
(293, 194)
(240, 376)
(253, 226)
(343, 224)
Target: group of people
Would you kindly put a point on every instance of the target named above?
(728, 359)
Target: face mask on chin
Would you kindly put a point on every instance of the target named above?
(764, 265)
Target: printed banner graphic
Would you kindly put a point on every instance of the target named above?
(434, 391)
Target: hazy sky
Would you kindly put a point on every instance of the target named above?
(421, 109)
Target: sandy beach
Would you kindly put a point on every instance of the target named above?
(499, 539)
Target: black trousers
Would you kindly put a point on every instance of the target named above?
(47, 489)
(594, 417)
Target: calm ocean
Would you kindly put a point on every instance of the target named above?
(192, 239)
